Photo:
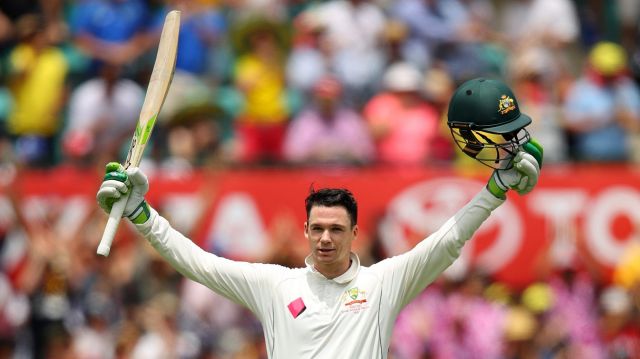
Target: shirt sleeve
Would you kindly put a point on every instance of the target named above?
(248, 284)
(406, 275)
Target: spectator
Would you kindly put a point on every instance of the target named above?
(451, 320)
(418, 324)
(618, 323)
(526, 24)
(310, 56)
(394, 42)
(438, 87)
(201, 33)
(328, 132)
(245, 10)
(92, 337)
(402, 123)
(535, 75)
(627, 271)
(159, 337)
(602, 109)
(520, 326)
(117, 32)
(213, 321)
(103, 111)
(353, 30)
(259, 76)
(192, 131)
(527, 29)
(529, 20)
(571, 326)
(6, 144)
(11, 12)
(38, 70)
(442, 32)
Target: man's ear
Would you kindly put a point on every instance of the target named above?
(306, 232)
(355, 230)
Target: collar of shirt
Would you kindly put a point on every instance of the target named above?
(346, 277)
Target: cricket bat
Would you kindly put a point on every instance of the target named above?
(159, 83)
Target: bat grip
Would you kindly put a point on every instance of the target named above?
(112, 225)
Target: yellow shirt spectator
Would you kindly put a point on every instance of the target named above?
(264, 91)
(38, 89)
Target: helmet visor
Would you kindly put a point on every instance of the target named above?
(493, 150)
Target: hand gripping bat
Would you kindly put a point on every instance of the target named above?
(157, 89)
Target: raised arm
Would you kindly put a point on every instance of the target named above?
(245, 283)
(406, 275)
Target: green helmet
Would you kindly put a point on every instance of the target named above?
(486, 122)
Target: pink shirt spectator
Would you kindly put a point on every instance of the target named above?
(574, 312)
(452, 325)
(344, 138)
(407, 131)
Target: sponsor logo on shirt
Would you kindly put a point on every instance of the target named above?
(354, 300)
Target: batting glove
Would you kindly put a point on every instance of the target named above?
(522, 177)
(117, 182)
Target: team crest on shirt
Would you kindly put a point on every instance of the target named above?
(506, 104)
(354, 300)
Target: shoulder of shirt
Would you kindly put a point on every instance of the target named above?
(281, 274)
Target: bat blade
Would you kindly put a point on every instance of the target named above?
(157, 90)
(158, 87)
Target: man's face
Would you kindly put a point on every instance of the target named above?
(330, 235)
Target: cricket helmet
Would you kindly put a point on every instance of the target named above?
(486, 122)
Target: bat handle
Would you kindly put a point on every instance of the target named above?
(112, 225)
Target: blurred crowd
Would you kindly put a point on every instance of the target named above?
(350, 82)
(300, 83)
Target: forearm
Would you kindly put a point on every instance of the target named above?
(417, 268)
(184, 255)
(467, 220)
(435, 253)
(237, 281)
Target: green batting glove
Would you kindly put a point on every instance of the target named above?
(117, 182)
(535, 149)
(524, 174)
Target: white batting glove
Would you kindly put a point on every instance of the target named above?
(117, 182)
(522, 177)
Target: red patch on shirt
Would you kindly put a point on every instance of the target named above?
(296, 307)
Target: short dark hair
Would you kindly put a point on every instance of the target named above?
(333, 197)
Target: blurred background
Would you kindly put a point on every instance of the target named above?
(272, 96)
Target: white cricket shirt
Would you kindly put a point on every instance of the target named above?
(306, 315)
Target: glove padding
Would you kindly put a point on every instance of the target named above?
(522, 177)
(117, 182)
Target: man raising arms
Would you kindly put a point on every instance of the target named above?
(334, 307)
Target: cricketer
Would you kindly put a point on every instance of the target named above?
(335, 307)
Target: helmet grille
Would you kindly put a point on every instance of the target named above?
(493, 150)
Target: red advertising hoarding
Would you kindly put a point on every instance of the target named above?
(577, 214)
